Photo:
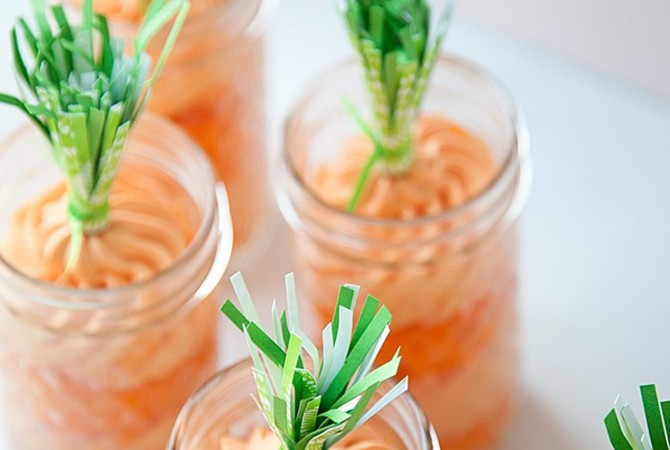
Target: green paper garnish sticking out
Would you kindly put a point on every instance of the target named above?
(312, 409)
(84, 94)
(624, 430)
(398, 50)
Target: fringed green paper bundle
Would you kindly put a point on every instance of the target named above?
(311, 399)
(624, 430)
(84, 93)
(397, 48)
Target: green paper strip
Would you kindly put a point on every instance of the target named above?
(328, 349)
(336, 416)
(380, 374)
(263, 384)
(631, 427)
(281, 416)
(309, 417)
(345, 299)
(615, 433)
(665, 409)
(341, 348)
(244, 297)
(289, 367)
(359, 409)
(370, 358)
(395, 392)
(286, 332)
(267, 346)
(367, 314)
(318, 441)
(357, 355)
(652, 412)
(277, 327)
(308, 384)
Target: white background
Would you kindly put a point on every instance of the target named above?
(629, 39)
(594, 308)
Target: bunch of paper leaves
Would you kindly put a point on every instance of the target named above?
(398, 48)
(84, 93)
(312, 400)
(624, 430)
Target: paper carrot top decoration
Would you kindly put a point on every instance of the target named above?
(312, 409)
(624, 430)
(84, 94)
(398, 48)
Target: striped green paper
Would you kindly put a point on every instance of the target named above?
(398, 48)
(312, 409)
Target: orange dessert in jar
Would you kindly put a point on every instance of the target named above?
(213, 87)
(437, 242)
(223, 416)
(103, 357)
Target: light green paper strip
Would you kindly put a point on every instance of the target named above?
(336, 416)
(341, 347)
(328, 349)
(383, 372)
(631, 427)
(292, 355)
(372, 356)
(243, 295)
(276, 324)
(309, 418)
(615, 432)
(395, 392)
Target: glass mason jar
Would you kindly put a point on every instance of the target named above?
(213, 87)
(109, 369)
(223, 407)
(450, 279)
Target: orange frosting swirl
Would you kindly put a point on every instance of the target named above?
(152, 220)
(451, 166)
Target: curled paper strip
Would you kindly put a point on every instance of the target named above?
(313, 406)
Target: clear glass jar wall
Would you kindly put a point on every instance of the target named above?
(213, 87)
(223, 408)
(110, 368)
(450, 278)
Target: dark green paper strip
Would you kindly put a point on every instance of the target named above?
(617, 438)
(356, 356)
(264, 342)
(367, 314)
(345, 299)
(652, 412)
(665, 409)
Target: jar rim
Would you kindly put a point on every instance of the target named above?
(117, 296)
(227, 12)
(209, 386)
(516, 160)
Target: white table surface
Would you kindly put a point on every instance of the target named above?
(594, 307)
